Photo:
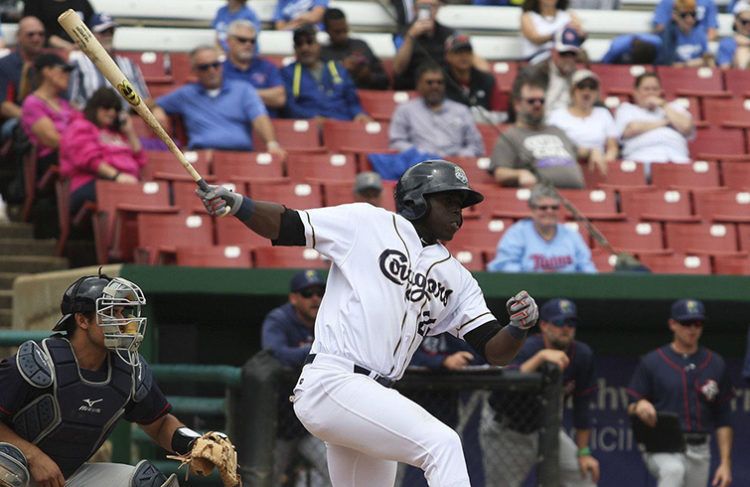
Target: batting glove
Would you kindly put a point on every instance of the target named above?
(523, 311)
(218, 198)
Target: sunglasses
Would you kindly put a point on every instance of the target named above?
(568, 54)
(534, 101)
(309, 293)
(207, 66)
(692, 324)
(588, 85)
(685, 15)
(245, 40)
(547, 207)
(35, 34)
(437, 82)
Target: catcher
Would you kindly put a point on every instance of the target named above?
(61, 398)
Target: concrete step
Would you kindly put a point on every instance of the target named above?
(26, 246)
(6, 299)
(32, 265)
(16, 230)
(6, 318)
(7, 278)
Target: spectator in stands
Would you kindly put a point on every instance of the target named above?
(218, 113)
(684, 40)
(431, 123)
(291, 14)
(318, 89)
(101, 145)
(557, 71)
(591, 128)
(541, 22)
(734, 51)
(652, 130)
(48, 12)
(531, 148)
(244, 64)
(15, 82)
(541, 243)
(45, 114)
(509, 433)
(288, 333)
(465, 83)
(633, 49)
(363, 66)
(86, 77)
(368, 188)
(234, 10)
(706, 15)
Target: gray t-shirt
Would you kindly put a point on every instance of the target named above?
(549, 150)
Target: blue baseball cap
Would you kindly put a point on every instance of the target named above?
(305, 279)
(568, 40)
(686, 310)
(559, 312)
(101, 22)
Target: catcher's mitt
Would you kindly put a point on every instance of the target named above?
(211, 450)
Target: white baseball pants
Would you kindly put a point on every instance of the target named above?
(689, 469)
(368, 428)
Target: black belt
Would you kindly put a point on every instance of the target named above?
(383, 381)
(695, 439)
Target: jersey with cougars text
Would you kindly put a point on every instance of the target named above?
(386, 291)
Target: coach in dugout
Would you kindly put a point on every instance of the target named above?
(509, 431)
(218, 113)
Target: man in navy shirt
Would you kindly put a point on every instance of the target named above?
(243, 64)
(509, 438)
(60, 400)
(288, 335)
(218, 113)
(693, 382)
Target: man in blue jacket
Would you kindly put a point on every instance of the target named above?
(288, 335)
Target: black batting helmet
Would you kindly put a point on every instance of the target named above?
(80, 297)
(429, 177)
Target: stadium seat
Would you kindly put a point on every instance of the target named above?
(231, 231)
(299, 196)
(603, 261)
(235, 165)
(338, 193)
(617, 79)
(355, 137)
(380, 104)
(320, 167)
(699, 174)
(736, 175)
(160, 235)
(179, 63)
(635, 237)
(230, 256)
(701, 238)
(165, 163)
(738, 82)
(504, 202)
(624, 173)
(703, 82)
(677, 264)
(661, 205)
(732, 112)
(717, 143)
(490, 134)
(476, 168)
(505, 72)
(155, 66)
(289, 257)
(738, 265)
(481, 232)
(743, 230)
(723, 206)
(470, 257)
(596, 204)
(292, 135)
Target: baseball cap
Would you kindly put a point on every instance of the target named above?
(686, 310)
(305, 30)
(367, 180)
(50, 59)
(568, 40)
(101, 22)
(559, 311)
(458, 42)
(740, 7)
(305, 279)
(583, 74)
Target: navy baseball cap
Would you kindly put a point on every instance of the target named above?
(686, 310)
(101, 22)
(568, 40)
(559, 312)
(305, 279)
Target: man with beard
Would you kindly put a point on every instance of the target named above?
(509, 440)
(531, 147)
(430, 123)
(558, 70)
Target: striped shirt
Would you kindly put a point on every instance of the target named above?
(86, 79)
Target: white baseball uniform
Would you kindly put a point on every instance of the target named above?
(385, 292)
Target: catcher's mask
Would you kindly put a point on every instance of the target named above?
(117, 303)
(14, 470)
(429, 177)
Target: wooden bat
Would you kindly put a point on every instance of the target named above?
(74, 26)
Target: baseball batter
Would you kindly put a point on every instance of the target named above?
(391, 283)
(692, 381)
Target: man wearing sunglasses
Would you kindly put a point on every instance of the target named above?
(509, 440)
(288, 333)
(706, 11)
(734, 51)
(684, 39)
(693, 382)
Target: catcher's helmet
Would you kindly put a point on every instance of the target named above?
(429, 177)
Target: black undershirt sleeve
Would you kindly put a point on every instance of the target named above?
(479, 336)
(291, 231)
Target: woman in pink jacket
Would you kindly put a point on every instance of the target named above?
(101, 145)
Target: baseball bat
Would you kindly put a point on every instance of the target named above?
(76, 29)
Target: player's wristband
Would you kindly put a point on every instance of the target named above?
(182, 439)
(247, 208)
(584, 452)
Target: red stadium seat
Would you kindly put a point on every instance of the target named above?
(738, 82)
(504, 202)
(730, 112)
(596, 204)
(617, 79)
(635, 237)
(234, 165)
(476, 168)
(338, 193)
(704, 82)
(299, 196)
(155, 66)
(179, 63)
(505, 72)
(165, 163)
(160, 235)
(732, 264)
(701, 238)
(321, 167)
(663, 205)
(289, 257)
(736, 175)
(603, 260)
(624, 173)
(231, 231)
(743, 230)
(490, 134)
(380, 104)
(293, 135)
(723, 206)
(677, 264)
(230, 256)
(699, 174)
(481, 233)
(717, 143)
(470, 257)
(340, 136)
